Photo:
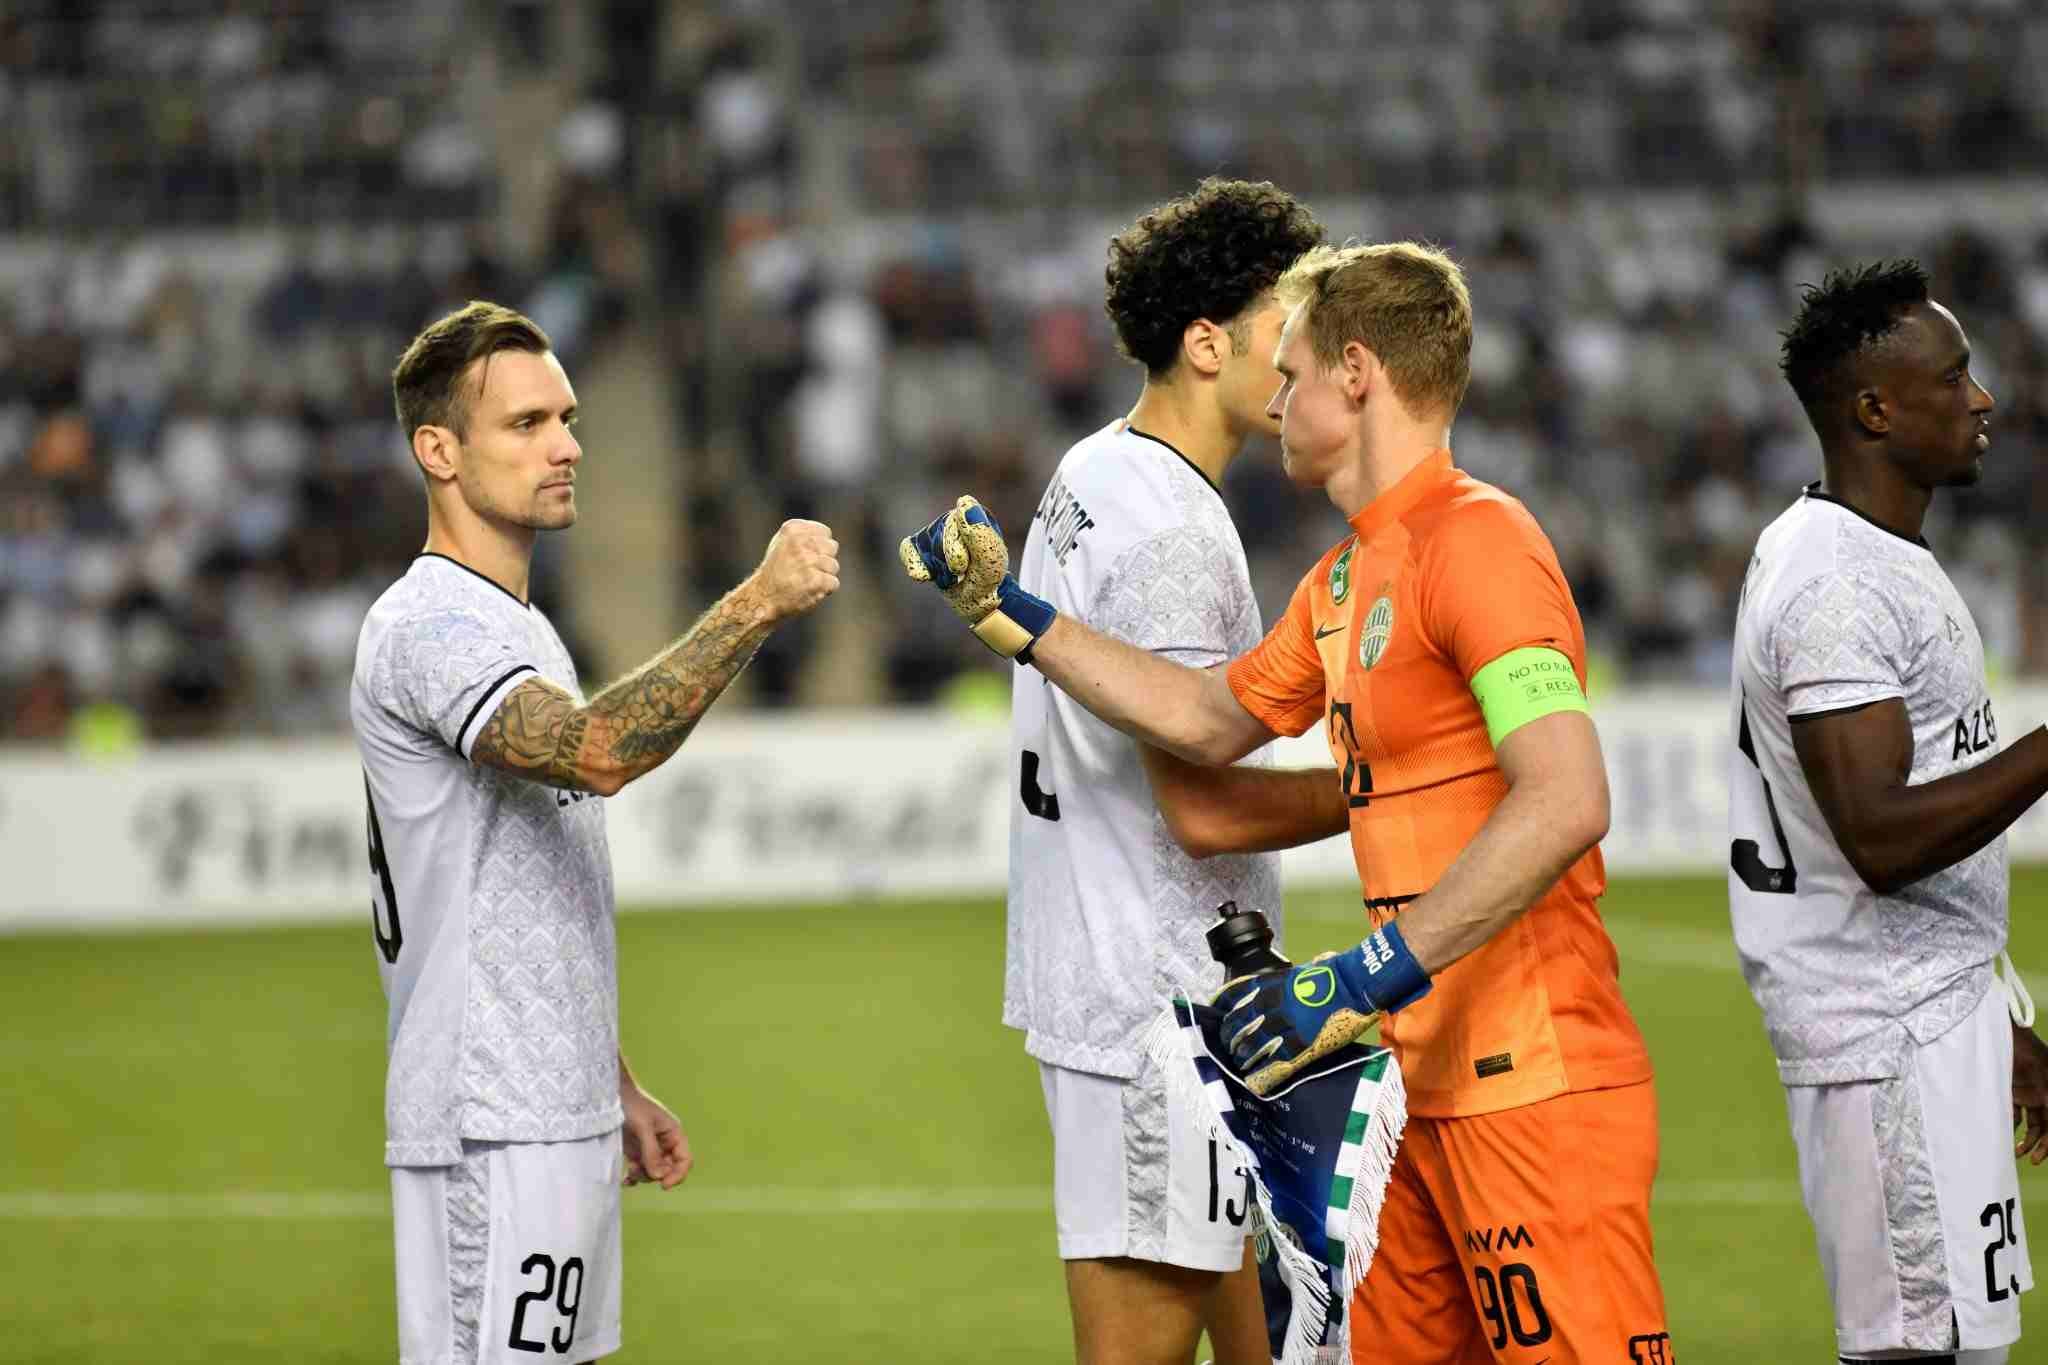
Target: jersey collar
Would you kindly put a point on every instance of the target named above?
(436, 554)
(1390, 506)
(1817, 494)
(1161, 440)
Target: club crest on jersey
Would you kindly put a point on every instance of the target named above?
(1340, 575)
(1379, 628)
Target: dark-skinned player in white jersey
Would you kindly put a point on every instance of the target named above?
(1868, 804)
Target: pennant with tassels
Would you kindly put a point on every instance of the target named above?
(1319, 1151)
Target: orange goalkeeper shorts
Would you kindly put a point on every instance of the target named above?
(1521, 1235)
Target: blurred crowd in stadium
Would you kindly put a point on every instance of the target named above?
(867, 240)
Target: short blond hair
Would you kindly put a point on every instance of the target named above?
(1405, 302)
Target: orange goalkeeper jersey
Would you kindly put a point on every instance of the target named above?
(1444, 575)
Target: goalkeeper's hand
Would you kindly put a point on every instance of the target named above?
(962, 554)
(1277, 1023)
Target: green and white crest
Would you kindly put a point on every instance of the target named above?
(1340, 575)
(1379, 628)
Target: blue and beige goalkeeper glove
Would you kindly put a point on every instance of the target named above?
(1278, 1022)
(962, 554)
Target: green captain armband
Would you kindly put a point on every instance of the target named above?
(1524, 685)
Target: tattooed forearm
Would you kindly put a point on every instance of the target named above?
(541, 734)
(563, 769)
(643, 717)
(536, 733)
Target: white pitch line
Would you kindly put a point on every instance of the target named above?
(319, 1205)
(64, 1206)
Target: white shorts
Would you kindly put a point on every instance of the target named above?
(1127, 1182)
(1914, 1194)
(511, 1256)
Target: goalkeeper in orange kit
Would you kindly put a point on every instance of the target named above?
(1439, 648)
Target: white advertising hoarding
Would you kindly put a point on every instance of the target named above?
(760, 807)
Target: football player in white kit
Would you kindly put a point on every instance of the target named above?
(1120, 853)
(1869, 797)
(511, 1117)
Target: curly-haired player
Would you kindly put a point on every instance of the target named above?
(1213, 256)
(1438, 651)
(1868, 802)
(1112, 878)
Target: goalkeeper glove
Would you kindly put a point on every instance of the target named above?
(963, 555)
(1278, 1022)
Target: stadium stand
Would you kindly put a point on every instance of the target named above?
(857, 248)
(226, 228)
(1636, 188)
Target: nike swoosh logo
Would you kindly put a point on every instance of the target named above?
(1328, 630)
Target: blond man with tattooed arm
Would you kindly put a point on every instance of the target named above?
(511, 1117)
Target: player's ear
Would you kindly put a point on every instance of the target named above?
(1204, 346)
(434, 448)
(1359, 370)
(1871, 413)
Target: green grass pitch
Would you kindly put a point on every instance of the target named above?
(189, 1155)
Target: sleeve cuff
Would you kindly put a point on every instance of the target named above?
(487, 706)
(1848, 700)
(1281, 720)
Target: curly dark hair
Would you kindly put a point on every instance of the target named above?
(1846, 311)
(1204, 255)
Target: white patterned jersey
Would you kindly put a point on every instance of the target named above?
(491, 896)
(1838, 612)
(1106, 912)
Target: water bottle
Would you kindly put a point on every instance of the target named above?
(1243, 942)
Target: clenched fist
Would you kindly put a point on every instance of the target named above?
(800, 570)
(962, 555)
